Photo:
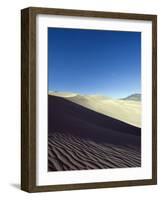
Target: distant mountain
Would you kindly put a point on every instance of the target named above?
(133, 97)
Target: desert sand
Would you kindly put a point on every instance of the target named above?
(81, 138)
(128, 111)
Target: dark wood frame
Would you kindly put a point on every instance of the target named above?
(28, 98)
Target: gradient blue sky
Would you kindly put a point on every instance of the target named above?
(94, 61)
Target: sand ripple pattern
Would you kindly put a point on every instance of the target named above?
(68, 152)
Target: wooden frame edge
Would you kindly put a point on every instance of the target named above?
(86, 186)
(154, 99)
(90, 13)
(28, 100)
(24, 100)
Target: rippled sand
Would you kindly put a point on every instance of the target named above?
(66, 152)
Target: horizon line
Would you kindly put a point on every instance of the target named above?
(97, 94)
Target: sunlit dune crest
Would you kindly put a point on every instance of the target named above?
(63, 94)
(128, 111)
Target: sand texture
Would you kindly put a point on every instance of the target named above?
(81, 138)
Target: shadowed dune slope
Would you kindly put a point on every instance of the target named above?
(127, 110)
(68, 117)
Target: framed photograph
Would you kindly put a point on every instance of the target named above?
(89, 99)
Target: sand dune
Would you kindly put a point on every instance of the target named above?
(128, 111)
(80, 138)
(67, 152)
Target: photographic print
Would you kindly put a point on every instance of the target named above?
(94, 99)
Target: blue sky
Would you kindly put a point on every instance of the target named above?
(94, 61)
